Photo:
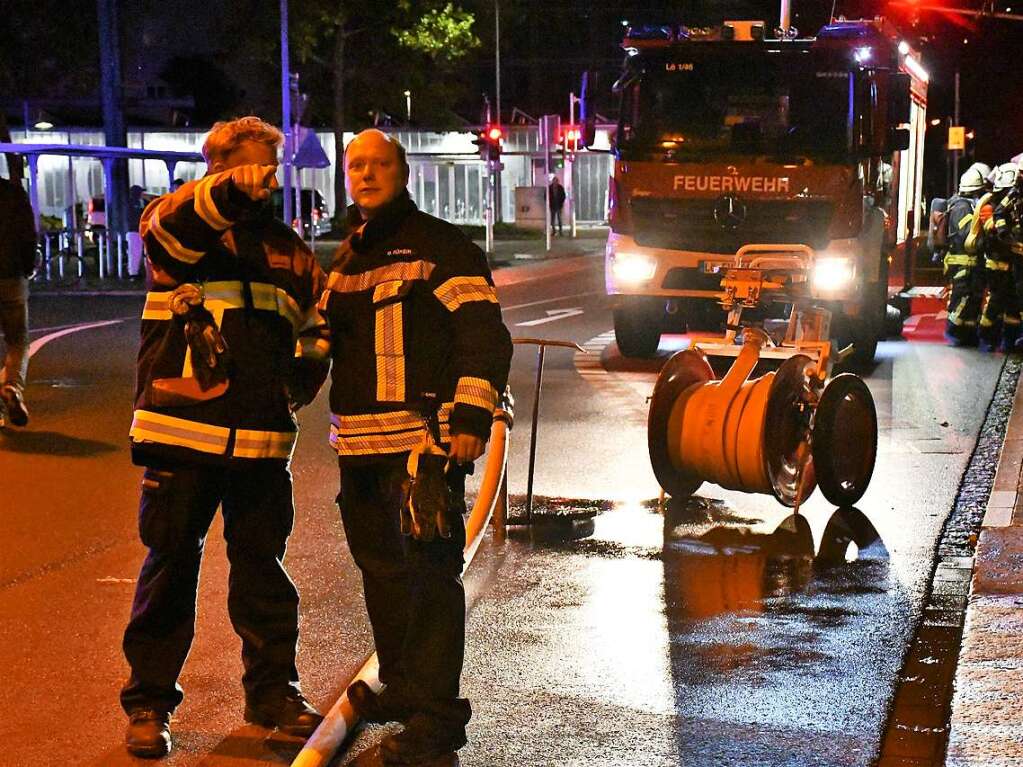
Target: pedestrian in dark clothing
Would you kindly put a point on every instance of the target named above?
(557, 202)
(17, 262)
(225, 359)
(417, 337)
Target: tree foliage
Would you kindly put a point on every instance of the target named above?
(440, 33)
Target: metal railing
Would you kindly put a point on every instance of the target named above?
(77, 254)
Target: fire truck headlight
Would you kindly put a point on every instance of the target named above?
(633, 267)
(831, 274)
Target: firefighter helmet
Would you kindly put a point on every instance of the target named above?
(1006, 176)
(972, 180)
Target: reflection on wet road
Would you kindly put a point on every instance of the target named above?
(690, 635)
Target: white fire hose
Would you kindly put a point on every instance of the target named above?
(341, 720)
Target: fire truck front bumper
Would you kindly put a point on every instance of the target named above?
(631, 269)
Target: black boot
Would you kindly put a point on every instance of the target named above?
(424, 741)
(291, 714)
(148, 734)
(378, 708)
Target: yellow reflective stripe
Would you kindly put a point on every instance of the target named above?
(1011, 320)
(966, 221)
(389, 346)
(400, 431)
(353, 283)
(251, 443)
(378, 423)
(157, 306)
(960, 261)
(386, 290)
(158, 428)
(477, 392)
(174, 248)
(997, 266)
(227, 294)
(205, 208)
(462, 290)
(313, 348)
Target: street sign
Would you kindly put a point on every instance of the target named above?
(956, 137)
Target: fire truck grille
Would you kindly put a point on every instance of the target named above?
(692, 225)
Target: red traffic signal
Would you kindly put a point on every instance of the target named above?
(494, 134)
(571, 135)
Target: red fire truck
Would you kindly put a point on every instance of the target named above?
(729, 137)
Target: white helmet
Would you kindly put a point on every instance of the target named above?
(1006, 176)
(972, 180)
(983, 167)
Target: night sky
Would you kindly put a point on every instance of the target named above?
(545, 45)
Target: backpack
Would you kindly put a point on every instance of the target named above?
(937, 227)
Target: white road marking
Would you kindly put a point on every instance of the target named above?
(39, 343)
(624, 397)
(547, 301)
(553, 315)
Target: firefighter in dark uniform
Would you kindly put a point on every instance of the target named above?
(1008, 228)
(961, 263)
(229, 349)
(1000, 319)
(417, 339)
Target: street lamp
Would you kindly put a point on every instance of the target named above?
(408, 106)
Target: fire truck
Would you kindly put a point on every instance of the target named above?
(729, 137)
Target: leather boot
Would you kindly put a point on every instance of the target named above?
(291, 714)
(148, 734)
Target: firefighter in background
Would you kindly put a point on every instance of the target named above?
(1000, 319)
(1008, 230)
(229, 351)
(961, 265)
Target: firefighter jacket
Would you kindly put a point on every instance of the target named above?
(260, 283)
(961, 248)
(414, 325)
(1008, 224)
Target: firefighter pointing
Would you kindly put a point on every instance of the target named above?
(229, 349)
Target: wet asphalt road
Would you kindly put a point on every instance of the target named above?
(721, 631)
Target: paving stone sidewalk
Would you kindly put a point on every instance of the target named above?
(987, 708)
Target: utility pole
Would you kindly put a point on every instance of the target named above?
(570, 165)
(115, 134)
(955, 152)
(498, 216)
(289, 148)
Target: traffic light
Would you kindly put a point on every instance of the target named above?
(571, 135)
(495, 135)
(482, 145)
(488, 140)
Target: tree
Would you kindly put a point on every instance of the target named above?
(354, 59)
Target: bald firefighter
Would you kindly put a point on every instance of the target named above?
(421, 354)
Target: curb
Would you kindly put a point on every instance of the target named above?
(987, 708)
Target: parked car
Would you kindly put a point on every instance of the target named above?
(96, 211)
(314, 212)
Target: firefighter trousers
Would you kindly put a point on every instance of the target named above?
(1001, 315)
(965, 298)
(414, 593)
(175, 512)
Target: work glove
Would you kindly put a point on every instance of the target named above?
(425, 507)
(210, 355)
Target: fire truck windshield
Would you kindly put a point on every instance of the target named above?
(682, 107)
